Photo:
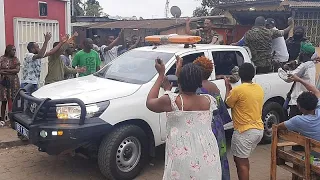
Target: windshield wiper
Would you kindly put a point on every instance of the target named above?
(114, 79)
(98, 74)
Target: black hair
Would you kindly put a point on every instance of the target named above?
(108, 35)
(299, 28)
(55, 44)
(87, 40)
(208, 19)
(260, 21)
(190, 78)
(30, 46)
(247, 72)
(307, 101)
(8, 49)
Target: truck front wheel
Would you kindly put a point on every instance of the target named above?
(272, 113)
(123, 153)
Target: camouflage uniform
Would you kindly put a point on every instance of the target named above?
(206, 38)
(259, 41)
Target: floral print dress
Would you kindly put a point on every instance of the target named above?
(220, 118)
(192, 151)
(9, 92)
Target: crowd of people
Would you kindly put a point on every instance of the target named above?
(84, 62)
(196, 151)
(196, 145)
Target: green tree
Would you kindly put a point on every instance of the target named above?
(209, 7)
(200, 11)
(93, 8)
(78, 8)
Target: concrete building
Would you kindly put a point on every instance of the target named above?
(23, 21)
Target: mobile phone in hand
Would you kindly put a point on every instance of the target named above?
(159, 60)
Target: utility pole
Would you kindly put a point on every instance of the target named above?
(166, 13)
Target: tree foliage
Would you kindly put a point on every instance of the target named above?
(78, 8)
(93, 8)
(87, 8)
(200, 11)
(208, 8)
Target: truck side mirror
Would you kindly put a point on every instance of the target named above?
(173, 79)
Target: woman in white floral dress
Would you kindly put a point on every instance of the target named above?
(191, 148)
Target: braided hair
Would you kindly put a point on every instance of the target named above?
(206, 66)
(190, 78)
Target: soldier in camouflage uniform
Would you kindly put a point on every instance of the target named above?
(259, 40)
(207, 34)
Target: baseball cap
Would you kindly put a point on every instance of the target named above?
(307, 48)
(270, 21)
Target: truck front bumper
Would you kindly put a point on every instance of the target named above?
(36, 120)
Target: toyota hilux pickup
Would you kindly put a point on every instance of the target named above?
(104, 115)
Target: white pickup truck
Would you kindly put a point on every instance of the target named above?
(104, 115)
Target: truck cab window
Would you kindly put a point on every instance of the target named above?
(225, 61)
(186, 60)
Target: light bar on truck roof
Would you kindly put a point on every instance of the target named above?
(174, 39)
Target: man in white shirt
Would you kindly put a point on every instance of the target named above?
(306, 71)
(279, 47)
(110, 51)
(32, 62)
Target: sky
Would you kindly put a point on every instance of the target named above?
(146, 8)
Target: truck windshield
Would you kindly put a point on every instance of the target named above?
(135, 66)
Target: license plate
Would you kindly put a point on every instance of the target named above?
(22, 130)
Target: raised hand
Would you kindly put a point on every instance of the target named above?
(188, 21)
(160, 66)
(76, 34)
(290, 21)
(65, 38)
(179, 63)
(121, 32)
(227, 82)
(47, 36)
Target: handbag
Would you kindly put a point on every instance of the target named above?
(286, 102)
(5, 82)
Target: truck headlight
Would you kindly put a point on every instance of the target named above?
(74, 112)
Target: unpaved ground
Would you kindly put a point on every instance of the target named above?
(25, 162)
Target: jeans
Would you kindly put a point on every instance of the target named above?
(32, 89)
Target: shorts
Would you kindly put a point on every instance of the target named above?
(243, 144)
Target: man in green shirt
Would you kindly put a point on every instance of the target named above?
(87, 58)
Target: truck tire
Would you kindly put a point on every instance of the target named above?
(272, 113)
(123, 153)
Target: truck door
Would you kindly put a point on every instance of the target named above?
(224, 62)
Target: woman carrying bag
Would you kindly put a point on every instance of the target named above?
(9, 80)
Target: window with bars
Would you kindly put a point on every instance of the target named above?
(311, 21)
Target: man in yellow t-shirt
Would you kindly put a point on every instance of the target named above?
(245, 101)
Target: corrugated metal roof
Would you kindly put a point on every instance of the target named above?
(82, 24)
(302, 4)
(145, 24)
(227, 3)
